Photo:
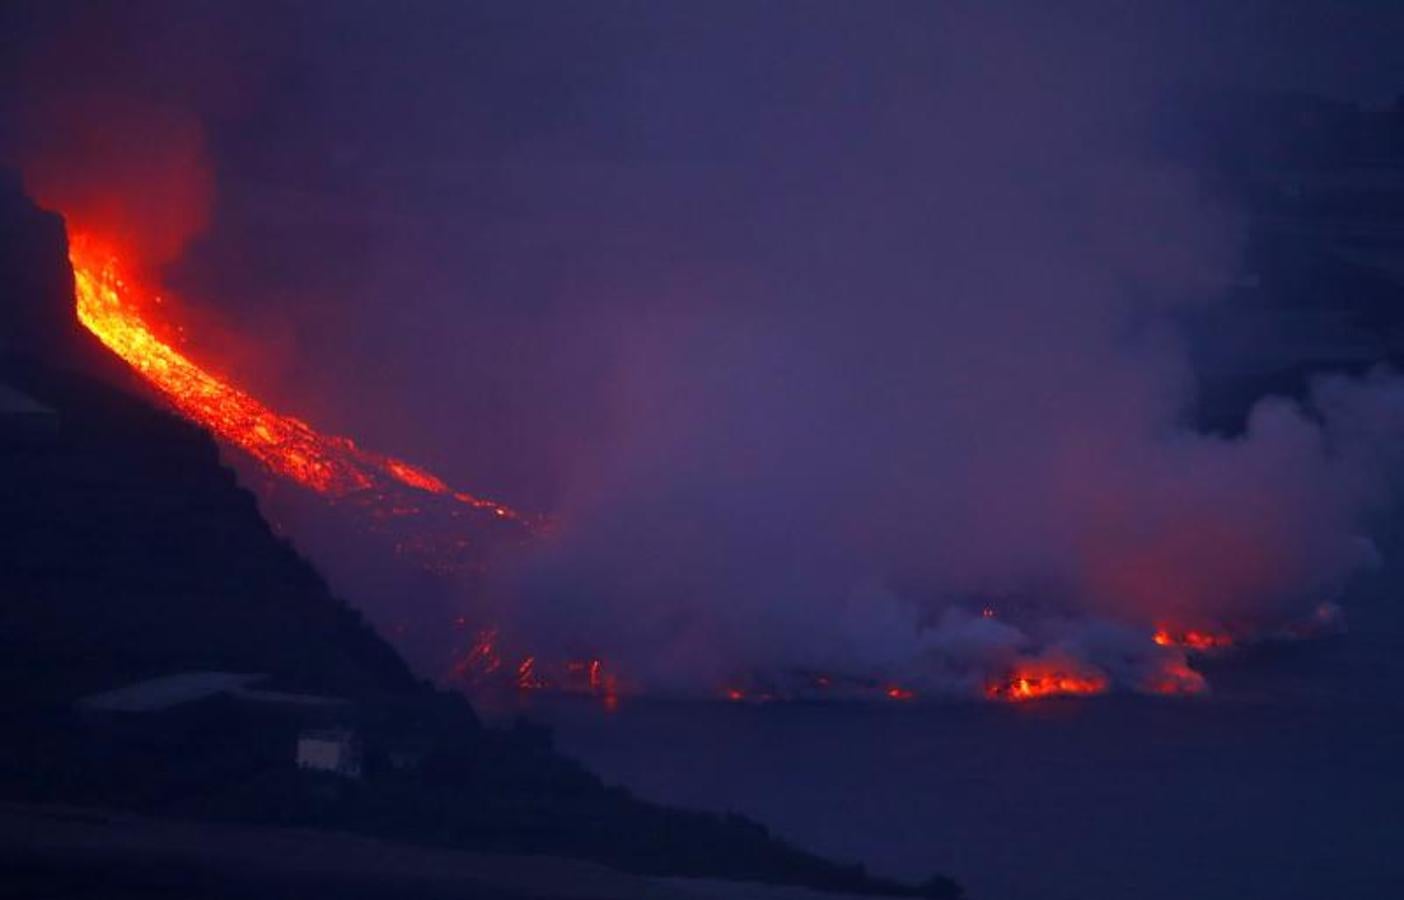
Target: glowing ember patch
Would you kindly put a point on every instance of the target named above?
(1192, 639)
(482, 659)
(110, 305)
(482, 666)
(1034, 681)
(894, 692)
(527, 679)
(588, 676)
(604, 685)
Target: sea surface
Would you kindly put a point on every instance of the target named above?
(1286, 783)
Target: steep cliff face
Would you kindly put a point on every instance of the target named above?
(126, 548)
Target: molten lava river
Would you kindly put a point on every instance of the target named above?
(110, 305)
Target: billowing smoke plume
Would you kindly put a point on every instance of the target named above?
(149, 186)
(837, 339)
(102, 129)
(955, 387)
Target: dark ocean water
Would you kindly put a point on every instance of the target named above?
(1277, 787)
(1286, 783)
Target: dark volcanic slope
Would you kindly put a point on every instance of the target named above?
(126, 548)
(130, 551)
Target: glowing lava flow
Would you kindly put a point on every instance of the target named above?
(1032, 682)
(110, 305)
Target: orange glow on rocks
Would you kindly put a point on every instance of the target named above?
(115, 308)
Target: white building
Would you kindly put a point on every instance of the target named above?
(334, 750)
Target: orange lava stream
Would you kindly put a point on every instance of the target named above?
(110, 305)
